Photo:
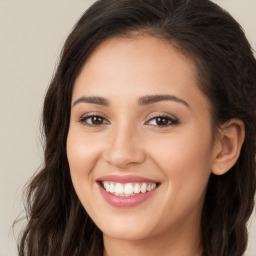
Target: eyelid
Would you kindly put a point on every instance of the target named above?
(161, 114)
(89, 114)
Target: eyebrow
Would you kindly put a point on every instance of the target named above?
(145, 100)
(93, 99)
(150, 99)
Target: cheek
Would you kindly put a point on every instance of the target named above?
(82, 156)
(185, 161)
(82, 152)
(184, 151)
(81, 159)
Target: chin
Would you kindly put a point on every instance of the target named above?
(126, 231)
(125, 235)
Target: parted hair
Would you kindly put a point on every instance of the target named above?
(57, 224)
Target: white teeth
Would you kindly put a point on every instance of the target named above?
(128, 189)
(106, 186)
(136, 188)
(119, 188)
(143, 188)
(111, 188)
(153, 186)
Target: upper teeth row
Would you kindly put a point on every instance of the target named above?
(127, 189)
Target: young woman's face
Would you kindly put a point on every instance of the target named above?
(141, 127)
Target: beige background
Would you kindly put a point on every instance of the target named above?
(31, 36)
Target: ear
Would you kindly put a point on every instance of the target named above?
(228, 146)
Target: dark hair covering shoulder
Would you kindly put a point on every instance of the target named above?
(57, 223)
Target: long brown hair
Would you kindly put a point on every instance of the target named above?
(57, 222)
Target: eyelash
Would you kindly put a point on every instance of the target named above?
(171, 121)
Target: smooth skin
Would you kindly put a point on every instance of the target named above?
(126, 138)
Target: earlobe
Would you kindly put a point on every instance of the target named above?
(230, 141)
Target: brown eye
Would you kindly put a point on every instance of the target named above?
(162, 121)
(97, 120)
(93, 120)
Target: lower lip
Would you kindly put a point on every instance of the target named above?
(125, 201)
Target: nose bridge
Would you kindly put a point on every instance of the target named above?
(125, 144)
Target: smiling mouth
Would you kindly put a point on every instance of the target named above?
(128, 189)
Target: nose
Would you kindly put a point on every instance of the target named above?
(125, 147)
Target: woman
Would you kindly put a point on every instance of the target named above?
(149, 124)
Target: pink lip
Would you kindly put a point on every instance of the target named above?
(122, 201)
(126, 179)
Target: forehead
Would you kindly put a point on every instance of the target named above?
(141, 60)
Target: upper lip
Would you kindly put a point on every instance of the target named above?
(126, 179)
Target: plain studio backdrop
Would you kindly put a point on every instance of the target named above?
(32, 34)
